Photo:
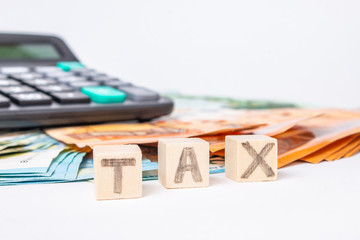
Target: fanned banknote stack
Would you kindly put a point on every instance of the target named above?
(65, 154)
(34, 157)
(311, 135)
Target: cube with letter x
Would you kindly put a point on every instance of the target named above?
(250, 158)
(183, 162)
(118, 171)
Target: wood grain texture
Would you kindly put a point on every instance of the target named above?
(118, 171)
(183, 162)
(250, 158)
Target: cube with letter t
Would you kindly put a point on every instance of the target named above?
(250, 158)
(183, 162)
(118, 171)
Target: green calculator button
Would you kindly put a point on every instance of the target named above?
(103, 94)
(67, 66)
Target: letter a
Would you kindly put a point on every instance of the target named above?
(183, 166)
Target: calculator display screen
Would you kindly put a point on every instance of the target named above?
(28, 51)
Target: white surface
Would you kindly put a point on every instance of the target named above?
(303, 51)
(306, 202)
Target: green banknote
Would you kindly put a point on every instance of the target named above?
(226, 102)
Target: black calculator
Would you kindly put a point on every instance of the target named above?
(42, 83)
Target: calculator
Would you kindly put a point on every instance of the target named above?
(42, 83)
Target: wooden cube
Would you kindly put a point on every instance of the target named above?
(183, 162)
(250, 158)
(118, 171)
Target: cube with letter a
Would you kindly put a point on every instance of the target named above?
(250, 158)
(118, 171)
(183, 162)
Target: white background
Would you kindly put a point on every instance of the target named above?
(302, 51)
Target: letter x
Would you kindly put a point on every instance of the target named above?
(258, 160)
(117, 164)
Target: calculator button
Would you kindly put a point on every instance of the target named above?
(117, 84)
(92, 74)
(41, 81)
(67, 66)
(4, 102)
(56, 88)
(47, 69)
(27, 99)
(103, 79)
(71, 79)
(79, 85)
(8, 82)
(58, 74)
(26, 76)
(17, 89)
(140, 94)
(11, 70)
(70, 97)
(103, 94)
(79, 71)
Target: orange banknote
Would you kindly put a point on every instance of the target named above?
(312, 135)
(136, 132)
(232, 121)
(328, 150)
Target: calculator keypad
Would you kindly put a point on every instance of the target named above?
(44, 85)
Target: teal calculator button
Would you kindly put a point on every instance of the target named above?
(67, 66)
(103, 94)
